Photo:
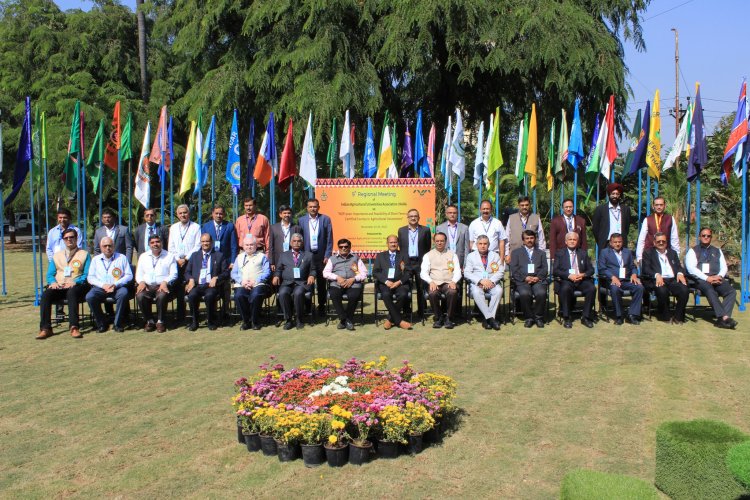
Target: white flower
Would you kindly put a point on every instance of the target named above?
(341, 380)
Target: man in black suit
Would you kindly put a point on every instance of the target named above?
(281, 234)
(573, 272)
(317, 234)
(612, 217)
(528, 270)
(148, 228)
(415, 241)
(664, 275)
(295, 275)
(206, 272)
(392, 280)
(119, 234)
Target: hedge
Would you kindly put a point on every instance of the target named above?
(738, 461)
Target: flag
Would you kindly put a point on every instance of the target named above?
(431, 150)
(369, 164)
(110, 155)
(331, 156)
(653, 150)
(698, 155)
(188, 167)
(597, 144)
(609, 148)
(737, 137)
(394, 147)
(551, 158)
(70, 171)
(457, 156)
(495, 155)
(445, 164)
(386, 166)
(263, 165)
(170, 146)
(125, 149)
(680, 142)
(530, 167)
(562, 147)
(575, 147)
(44, 136)
(520, 153)
(160, 142)
(201, 169)
(486, 151)
(96, 157)
(479, 158)
(382, 133)
(308, 169)
(36, 148)
(407, 161)
(420, 157)
(288, 166)
(346, 152)
(143, 175)
(639, 153)
(24, 154)
(234, 166)
(635, 136)
(208, 152)
(251, 153)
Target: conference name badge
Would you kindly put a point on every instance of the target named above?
(297, 274)
(530, 268)
(391, 273)
(116, 273)
(494, 267)
(705, 268)
(622, 273)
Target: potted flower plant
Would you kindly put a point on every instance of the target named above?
(288, 434)
(418, 421)
(266, 420)
(394, 427)
(364, 418)
(313, 430)
(336, 449)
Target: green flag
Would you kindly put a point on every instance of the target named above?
(125, 151)
(70, 170)
(96, 157)
(523, 145)
(495, 155)
(36, 146)
(551, 158)
(332, 155)
(562, 147)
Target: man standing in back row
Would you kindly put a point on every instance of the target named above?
(414, 241)
(612, 217)
(521, 221)
(317, 233)
(253, 223)
(657, 222)
(458, 234)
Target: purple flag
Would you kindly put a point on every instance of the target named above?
(407, 161)
(23, 155)
(698, 156)
(639, 156)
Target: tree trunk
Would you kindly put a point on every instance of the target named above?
(142, 47)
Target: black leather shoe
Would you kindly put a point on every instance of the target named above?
(119, 329)
(349, 326)
(193, 327)
(212, 327)
(731, 322)
(494, 324)
(633, 320)
(540, 323)
(528, 323)
(101, 329)
(724, 324)
(244, 326)
(449, 324)
(300, 325)
(288, 325)
(255, 326)
(567, 323)
(341, 325)
(486, 324)
(438, 323)
(587, 323)
(618, 321)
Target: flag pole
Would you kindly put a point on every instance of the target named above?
(200, 207)
(83, 201)
(130, 195)
(697, 208)
(458, 188)
(46, 197)
(533, 198)
(648, 195)
(171, 191)
(497, 193)
(687, 218)
(101, 188)
(743, 260)
(640, 195)
(575, 191)
(2, 214)
(212, 183)
(33, 229)
(161, 181)
(119, 190)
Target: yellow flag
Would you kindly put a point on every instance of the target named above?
(653, 150)
(188, 167)
(530, 167)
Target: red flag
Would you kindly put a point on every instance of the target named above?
(160, 142)
(288, 167)
(113, 146)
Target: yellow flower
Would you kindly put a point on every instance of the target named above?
(336, 425)
(332, 439)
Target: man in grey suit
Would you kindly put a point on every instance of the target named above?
(458, 233)
(149, 227)
(119, 234)
(281, 234)
(484, 270)
(528, 271)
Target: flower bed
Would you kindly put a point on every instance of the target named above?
(326, 402)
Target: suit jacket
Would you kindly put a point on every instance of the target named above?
(141, 245)
(609, 265)
(600, 224)
(276, 240)
(285, 268)
(325, 236)
(652, 266)
(462, 240)
(519, 259)
(228, 242)
(558, 229)
(383, 263)
(562, 266)
(474, 269)
(219, 266)
(424, 241)
(123, 241)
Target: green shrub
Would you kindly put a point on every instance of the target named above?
(592, 485)
(738, 461)
(691, 460)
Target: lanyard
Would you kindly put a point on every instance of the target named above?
(619, 258)
(415, 233)
(453, 233)
(484, 261)
(487, 227)
(154, 261)
(658, 218)
(244, 261)
(524, 222)
(286, 233)
(250, 222)
(570, 223)
(530, 253)
(206, 258)
(106, 267)
(218, 229)
(182, 235)
(615, 211)
(73, 254)
(393, 259)
(314, 225)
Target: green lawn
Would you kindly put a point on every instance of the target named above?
(148, 415)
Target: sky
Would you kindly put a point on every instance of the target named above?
(707, 30)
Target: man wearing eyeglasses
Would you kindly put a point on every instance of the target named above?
(109, 276)
(663, 274)
(346, 274)
(707, 265)
(66, 279)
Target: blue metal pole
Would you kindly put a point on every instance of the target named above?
(648, 195)
(533, 199)
(161, 182)
(200, 207)
(171, 193)
(575, 192)
(119, 190)
(101, 188)
(83, 200)
(252, 188)
(497, 193)
(212, 184)
(640, 195)
(458, 188)
(234, 203)
(33, 232)
(697, 218)
(130, 196)
(46, 198)
(743, 258)
(687, 218)
(656, 188)
(291, 196)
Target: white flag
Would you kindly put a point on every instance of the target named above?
(479, 158)
(143, 176)
(346, 152)
(680, 143)
(601, 146)
(386, 165)
(520, 166)
(457, 155)
(308, 170)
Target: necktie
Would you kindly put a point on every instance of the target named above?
(295, 255)
(393, 260)
(574, 262)
(570, 224)
(484, 261)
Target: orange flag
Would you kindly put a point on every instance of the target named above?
(113, 146)
(160, 142)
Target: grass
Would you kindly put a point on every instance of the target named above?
(148, 415)
(592, 485)
(738, 461)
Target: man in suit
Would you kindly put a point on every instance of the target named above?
(415, 241)
(658, 221)
(345, 273)
(458, 233)
(250, 274)
(294, 275)
(663, 274)
(317, 233)
(392, 280)
(574, 272)
(528, 270)
(144, 232)
(110, 275)
(281, 233)
(521, 221)
(612, 217)
(120, 235)
(563, 224)
(441, 271)
(617, 269)
(484, 270)
(222, 232)
(206, 272)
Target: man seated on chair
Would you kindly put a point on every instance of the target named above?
(155, 274)
(706, 264)
(442, 272)
(66, 279)
(574, 273)
(109, 276)
(617, 269)
(484, 270)
(250, 275)
(206, 272)
(528, 270)
(346, 274)
(295, 276)
(663, 274)
(392, 278)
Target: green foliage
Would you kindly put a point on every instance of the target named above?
(691, 459)
(738, 461)
(585, 484)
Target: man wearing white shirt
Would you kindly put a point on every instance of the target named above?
(184, 239)
(657, 222)
(109, 276)
(442, 272)
(489, 226)
(55, 242)
(663, 274)
(155, 273)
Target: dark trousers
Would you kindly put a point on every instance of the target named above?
(394, 301)
(294, 292)
(210, 296)
(250, 301)
(725, 290)
(678, 290)
(415, 266)
(150, 296)
(353, 294)
(74, 295)
(565, 291)
(636, 297)
(451, 299)
(97, 296)
(320, 282)
(536, 292)
(178, 290)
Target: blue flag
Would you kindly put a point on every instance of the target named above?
(575, 145)
(23, 155)
(422, 168)
(698, 156)
(370, 162)
(234, 167)
(639, 156)
(251, 153)
(270, 153)
(209, 147)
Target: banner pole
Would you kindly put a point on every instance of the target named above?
(33, 230)
(119, 190)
